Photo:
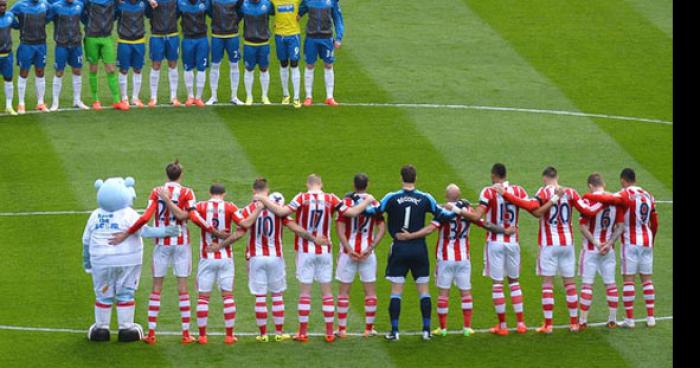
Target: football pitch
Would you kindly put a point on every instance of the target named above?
(451, 86)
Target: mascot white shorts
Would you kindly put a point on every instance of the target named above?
(212, 271)
(118, 282)
(179, 256)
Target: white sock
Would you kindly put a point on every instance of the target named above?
(136, 88)
(123, 86)
(125, 315)
(173, 78)
(40, 89)
(9, 93)
(56, 90)
(330, 82)
(77, 88)
(235, 75)
(248, 82)
(296, 78)
(284, 78)
(155, 78)
(201, 81)
(214, 79)
(103, 315)
(189, 83)
(309, 82)
(21, 89)
(265, 82)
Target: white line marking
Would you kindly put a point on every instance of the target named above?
(447, 106)
(218, 333)
(79, 212)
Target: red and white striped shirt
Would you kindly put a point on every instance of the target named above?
(601, 225)
(218, 214)
(359, 231)
(183, 197)
(501, 212)
(265, 235)
(314, 213)
(453, 238)
(555, 224)
(639, 206)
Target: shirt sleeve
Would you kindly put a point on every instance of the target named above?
(150, 210)
(296, 202)
(542, 195)
(190, 201)
(338, 20)
(485, 197)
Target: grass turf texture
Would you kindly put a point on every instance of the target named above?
(539, 54)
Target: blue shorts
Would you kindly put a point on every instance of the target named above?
(259, 55)
(319, 47)
(164, 47)
(229, 44)
(6, 67)
(131, 55)
(195, 52)
(72, 56)
(288, 47)
(28, 55)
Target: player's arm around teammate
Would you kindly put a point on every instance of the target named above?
(69, 49)
(7, 21)
(320, 42)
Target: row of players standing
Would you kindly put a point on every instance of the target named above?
(32, 16)
(628, 215)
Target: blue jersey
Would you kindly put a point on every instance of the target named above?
(256, 21)
(407, 209)
(98, 17)
(32, 16)
(66, 20)
(321, 14)
(193, 17)
(7, 22)
(130, 21)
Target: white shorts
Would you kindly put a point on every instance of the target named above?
(266, 275)
(501, 259)
(457, 272)
(591, 262)
(210, 271)
(636, 259)
(118, 282)
(314, 267)
(179, 256)
(556, 260)
(347, 268)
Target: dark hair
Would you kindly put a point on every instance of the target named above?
(550, 172)
(217, 189)
(499, 170)
(629, 175)
(174, 170)
(596, 180)
(408, 174)
(361, 181)
(260, 183)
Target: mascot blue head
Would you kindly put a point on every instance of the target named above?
(115, 194)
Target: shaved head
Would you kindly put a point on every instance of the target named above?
(314, 182)
(452, 193)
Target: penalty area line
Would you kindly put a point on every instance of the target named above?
(218, 333)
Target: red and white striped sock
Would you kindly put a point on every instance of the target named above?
(202, 314)
(548, 303)
(572, 302)
(103, 314)
(499, 302)
(229, 313)
(467, 307)
(153, 310)
(516, 298)
(304, 309)
(328, 313)
(628, 299)
(185, 310)
(261, 313)
(586, 300)
(442, 309)
(613, 299)
(278, 312)
(649, 297)
(370, 312)
(343, 307)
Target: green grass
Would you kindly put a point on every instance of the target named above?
(611, 57)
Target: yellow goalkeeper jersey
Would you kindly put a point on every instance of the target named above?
(286, 12)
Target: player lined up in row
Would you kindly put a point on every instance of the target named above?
(628, 215)
(197, 50)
